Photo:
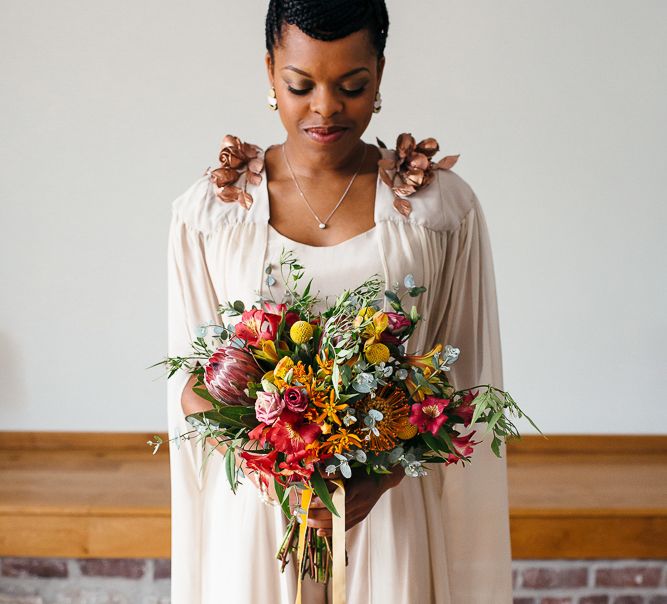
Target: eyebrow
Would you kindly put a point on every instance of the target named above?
(345, 75)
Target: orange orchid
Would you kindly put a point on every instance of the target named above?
(324, 363)
(341, 441)
(330, 408)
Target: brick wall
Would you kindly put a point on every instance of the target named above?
(590, 581)
(67, 581)
(90, 581)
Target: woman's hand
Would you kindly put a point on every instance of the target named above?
(362, 492)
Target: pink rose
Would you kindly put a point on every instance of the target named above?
(295, 399)
(268, 407)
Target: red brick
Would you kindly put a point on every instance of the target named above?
(16, 599)
(556, 601)
(34, 567)
(628, 576)
(161, 569)
(524, 601)
(629, 600)
(128, 568)
(539, 578)
(594, 600)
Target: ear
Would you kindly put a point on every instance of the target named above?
(269, 66)
(380, 69)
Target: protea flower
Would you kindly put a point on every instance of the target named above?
(227, 373)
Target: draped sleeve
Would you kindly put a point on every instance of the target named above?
(475, 496)
(470, 320)
(191, 300)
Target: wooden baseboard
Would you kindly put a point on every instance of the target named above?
(82, 494)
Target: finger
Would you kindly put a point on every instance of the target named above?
(317, 523)
(320, 514)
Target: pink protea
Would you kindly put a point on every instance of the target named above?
(227, 373)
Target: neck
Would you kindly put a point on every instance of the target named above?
(315, 164)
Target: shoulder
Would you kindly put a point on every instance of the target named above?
(426, 191)
(221, 193)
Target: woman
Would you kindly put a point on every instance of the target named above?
(442, 538)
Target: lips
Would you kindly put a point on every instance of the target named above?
(326, 130)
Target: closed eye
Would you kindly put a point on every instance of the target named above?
(300, 92)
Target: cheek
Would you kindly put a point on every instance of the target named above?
(293, 107)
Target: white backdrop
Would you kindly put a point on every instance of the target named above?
(109, 110)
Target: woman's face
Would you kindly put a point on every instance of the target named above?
(325, 84)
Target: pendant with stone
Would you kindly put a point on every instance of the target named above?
(322, 225)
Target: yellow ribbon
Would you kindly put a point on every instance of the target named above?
(306, 496)
(338, 535)
(338, 531)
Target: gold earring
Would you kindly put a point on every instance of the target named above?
(273, 101)
(377, 104)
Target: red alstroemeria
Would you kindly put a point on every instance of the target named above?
(262, 463)
(465, 410)
(429, 414)
(464, 447)
(278, 309)
(259, 433)
(292, 469)
(290, 434)
(256, 325)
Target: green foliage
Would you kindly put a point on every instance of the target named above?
(320, 488)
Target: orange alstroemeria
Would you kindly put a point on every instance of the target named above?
(266, 350)
(425, 361)
(372, 331)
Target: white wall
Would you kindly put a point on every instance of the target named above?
(110, 110)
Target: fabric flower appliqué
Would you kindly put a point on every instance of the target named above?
(411, 168)
(236, 158)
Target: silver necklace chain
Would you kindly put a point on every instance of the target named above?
(323, 223)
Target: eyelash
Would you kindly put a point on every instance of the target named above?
(356, 92)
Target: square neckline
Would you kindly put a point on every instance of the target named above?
(264, 190)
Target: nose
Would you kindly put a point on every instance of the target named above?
(326, 103)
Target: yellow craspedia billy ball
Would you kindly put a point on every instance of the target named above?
(377, 353)
(301, 332)
(406, 430)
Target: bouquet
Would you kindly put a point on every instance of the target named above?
(305, 398)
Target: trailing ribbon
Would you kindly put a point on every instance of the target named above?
(338, 533)
(306, 496)
(338, 530)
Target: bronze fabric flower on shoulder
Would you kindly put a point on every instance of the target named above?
(411, 168)
(236, 158)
